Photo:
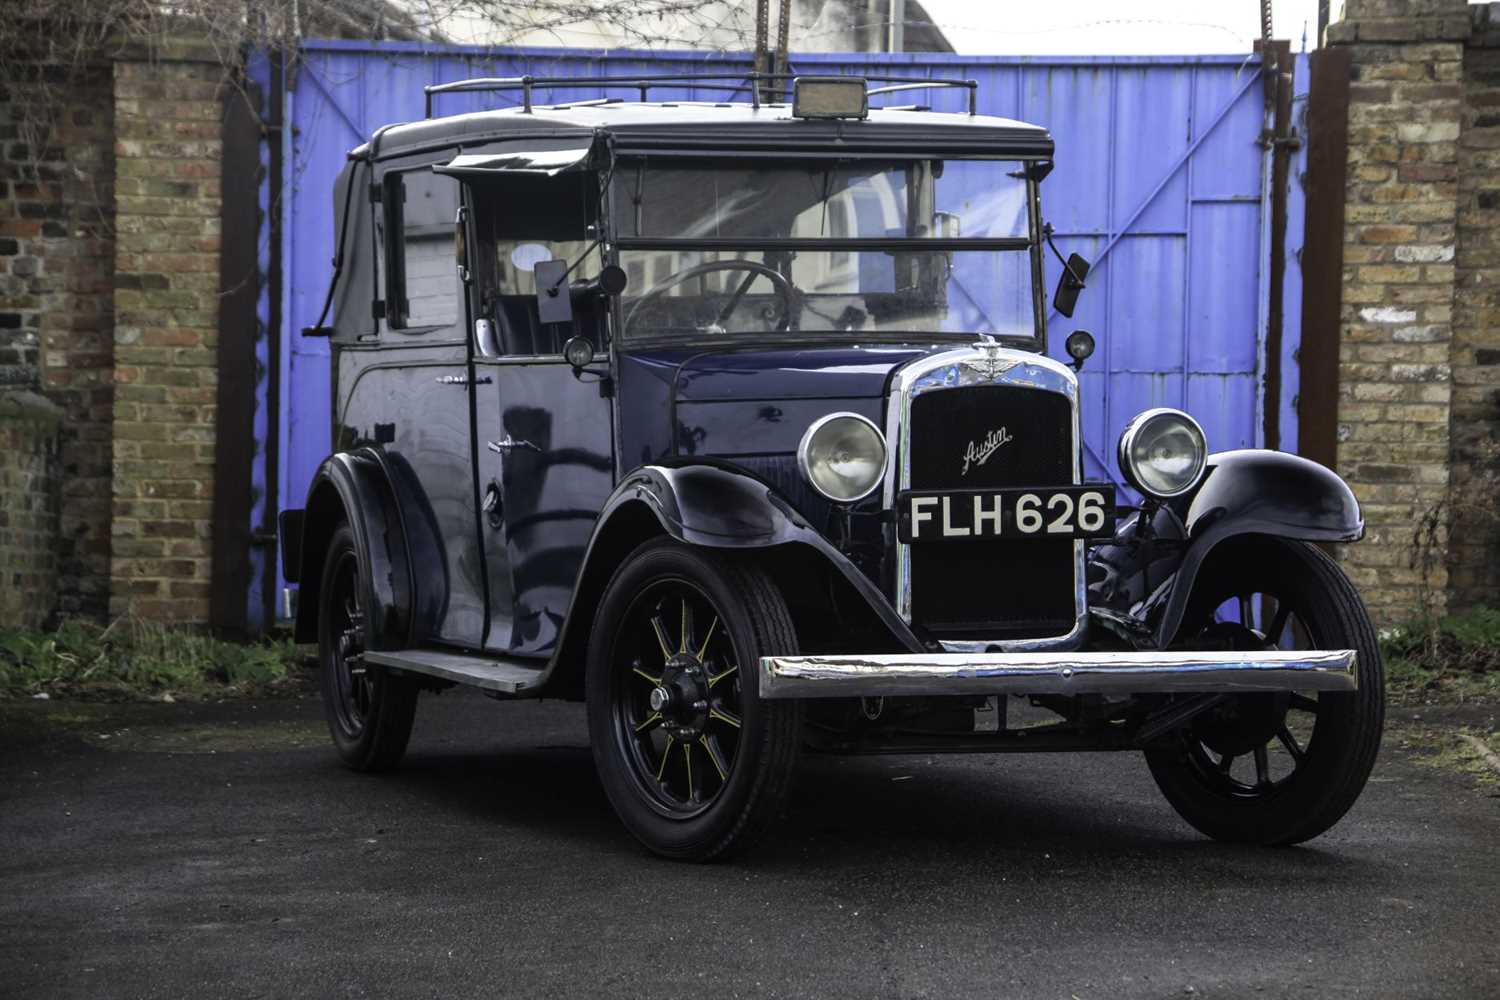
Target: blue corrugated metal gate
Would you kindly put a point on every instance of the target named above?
(1161, 180)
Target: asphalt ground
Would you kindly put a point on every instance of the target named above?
(221, 851)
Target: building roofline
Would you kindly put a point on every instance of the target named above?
(710, 61)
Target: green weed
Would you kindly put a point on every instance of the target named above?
(132, 658)
(1451, 659)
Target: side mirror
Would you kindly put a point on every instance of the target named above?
(1070, 284)
(945, 226)
(554, 298)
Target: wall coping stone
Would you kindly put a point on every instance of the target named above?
(1402, 21)
(1400, 30)
(169, 49)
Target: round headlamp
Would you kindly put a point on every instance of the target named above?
(843, 456)
(1162, 453)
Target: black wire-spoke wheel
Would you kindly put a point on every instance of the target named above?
(369, 712)
(1275, 767)
(693, 761)
(680, 712)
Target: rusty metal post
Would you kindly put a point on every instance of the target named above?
(781, 64)
(763, 62)
(1323, 254)
(1280, 139)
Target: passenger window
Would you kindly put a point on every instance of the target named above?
(421, 273)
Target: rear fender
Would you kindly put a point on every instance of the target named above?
(356, 487)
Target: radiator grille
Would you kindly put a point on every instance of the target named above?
(992, 589)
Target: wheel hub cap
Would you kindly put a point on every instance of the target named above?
(682, 696)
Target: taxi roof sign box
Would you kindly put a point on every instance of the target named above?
(830, 97)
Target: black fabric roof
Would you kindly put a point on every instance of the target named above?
(687, 127)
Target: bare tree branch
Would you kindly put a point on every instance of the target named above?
(49, 47)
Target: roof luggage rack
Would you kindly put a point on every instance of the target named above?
(734, 82)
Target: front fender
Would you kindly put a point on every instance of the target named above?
(703, 504)
(712, 506)
(1277, 490)
(725, 508)
(1257, 491)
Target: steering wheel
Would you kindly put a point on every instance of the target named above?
(778, 280)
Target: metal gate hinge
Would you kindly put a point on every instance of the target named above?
(1268, 139)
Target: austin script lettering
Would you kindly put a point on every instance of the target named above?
(979, 453)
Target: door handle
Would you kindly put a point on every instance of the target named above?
(508, 443)
(462, 380)
(494, 512)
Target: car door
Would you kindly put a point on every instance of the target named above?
(554, 466)
(416, 394)
(546, 455)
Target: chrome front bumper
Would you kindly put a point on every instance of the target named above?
(1055, 673)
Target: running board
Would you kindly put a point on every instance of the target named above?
(506, 675)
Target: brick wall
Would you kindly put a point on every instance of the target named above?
(109, 238)
(30, 490)
(56, 296)
(1419, 408)
(167, 116)
(1474, 545)
(109, 274)
(1401, 213)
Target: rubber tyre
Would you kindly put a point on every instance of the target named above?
(759, 624)
(381, 740)
(1346, 739)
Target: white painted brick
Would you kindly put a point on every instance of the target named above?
(1387, 314)
(1420, 334)
(1424, 254)
(1420, 373)
(1429, 132)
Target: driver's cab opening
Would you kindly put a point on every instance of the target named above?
(764, 248)
(521, 221)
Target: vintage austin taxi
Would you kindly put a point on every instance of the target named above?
(736, 420)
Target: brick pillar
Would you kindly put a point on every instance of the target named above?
(1474, 544)
(56, 294)
(167, 124)
(1401, 214)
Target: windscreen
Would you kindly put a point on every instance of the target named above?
(718, 249)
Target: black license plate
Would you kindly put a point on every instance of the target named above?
(1086, 511)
